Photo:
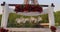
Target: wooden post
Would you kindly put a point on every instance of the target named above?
(51, 15)
(5, 16)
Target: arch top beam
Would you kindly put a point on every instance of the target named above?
(52, 5)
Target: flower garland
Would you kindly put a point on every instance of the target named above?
(28, 8)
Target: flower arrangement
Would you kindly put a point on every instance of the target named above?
(18, 8)
(3, 30)
(53, 28)
(28, 8)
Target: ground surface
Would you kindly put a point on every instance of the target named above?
(32, 29)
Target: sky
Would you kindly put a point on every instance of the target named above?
(48, 2)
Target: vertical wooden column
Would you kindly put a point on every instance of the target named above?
(51, 15)
(5, 16)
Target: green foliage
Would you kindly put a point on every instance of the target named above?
(57, 17)
(45, 18)
(0, 19)
(12, 21)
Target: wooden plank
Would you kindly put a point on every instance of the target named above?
(25, 4)
(44, 24)
(28, 29)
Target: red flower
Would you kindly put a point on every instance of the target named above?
(28, 8)
(18, 8)
(53, 28)
(3, 30)
(38, 8)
